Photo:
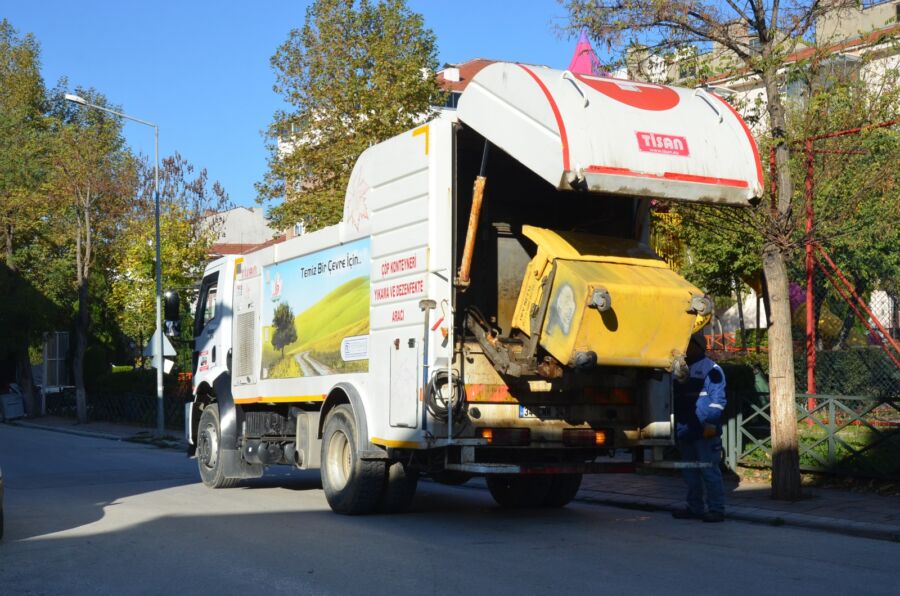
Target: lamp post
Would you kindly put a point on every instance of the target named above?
(158, 360)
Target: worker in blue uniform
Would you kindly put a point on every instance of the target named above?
(699, 408)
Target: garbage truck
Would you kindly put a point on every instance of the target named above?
(487, 306)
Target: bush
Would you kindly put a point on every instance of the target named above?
(856, 371)
(746, 373)
(96, 365)
(865, 372)
(140, 382)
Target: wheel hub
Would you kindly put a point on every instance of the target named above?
(208, 447)
(339, 460)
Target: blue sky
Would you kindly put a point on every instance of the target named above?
(200, 69)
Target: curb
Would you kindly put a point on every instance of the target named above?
(756, 515)
(137, 438)
(68, 431)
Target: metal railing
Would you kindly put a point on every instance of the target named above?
(121, 407)
(838, 434)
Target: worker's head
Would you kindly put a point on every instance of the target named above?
(696, 348)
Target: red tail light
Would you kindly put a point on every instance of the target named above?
(585, 437)
(505, 436)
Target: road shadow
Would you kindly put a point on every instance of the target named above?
(283, 477)
(454, 541)
(56, 481)
(447, 544)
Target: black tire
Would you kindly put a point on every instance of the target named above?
(209, 450)
(519, 492)
(563, 488)
(451, 477)
(399, 488)
(352, 486)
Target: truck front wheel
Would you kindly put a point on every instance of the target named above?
(352, 486)
(209, 450)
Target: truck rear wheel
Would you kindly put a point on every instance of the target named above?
(352, 486)
(209, 450)
(519, 492)
(563, 488)
(399, 488)
(451, 477)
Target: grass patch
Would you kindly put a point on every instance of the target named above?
(856, 450)
(285, 368)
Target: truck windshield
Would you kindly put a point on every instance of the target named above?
(206, 305)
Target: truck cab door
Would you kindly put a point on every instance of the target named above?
(207, 333)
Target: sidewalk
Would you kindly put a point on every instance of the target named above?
(104, 430)
(830, 509)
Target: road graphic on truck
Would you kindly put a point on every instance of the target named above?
(312, 305)
(310, 366)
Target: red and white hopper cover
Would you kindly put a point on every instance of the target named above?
(616, 136)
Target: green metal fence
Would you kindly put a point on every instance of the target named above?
(841, 435)
(124, 407)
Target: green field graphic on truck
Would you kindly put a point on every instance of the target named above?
(316, 313)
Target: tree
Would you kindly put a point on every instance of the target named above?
(23, 143)
(187, 231)
(93, 179)
(285, 332)
(855, 188)
(760, 36)
(356, 73)
(856, 203)
(720, 258)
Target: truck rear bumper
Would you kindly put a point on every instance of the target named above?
(486, 469)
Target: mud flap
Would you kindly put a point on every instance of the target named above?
(230, 418)
(235, 467)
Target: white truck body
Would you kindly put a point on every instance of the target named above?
(373, 306)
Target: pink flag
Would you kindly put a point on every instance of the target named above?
(585, 60)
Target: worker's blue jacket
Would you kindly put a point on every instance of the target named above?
(699, 400)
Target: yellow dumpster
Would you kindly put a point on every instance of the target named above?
(612, 301)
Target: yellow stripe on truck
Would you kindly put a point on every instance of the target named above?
(278, 399)
(396, 444)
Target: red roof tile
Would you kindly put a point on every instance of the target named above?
(467, 70)
(242, 249)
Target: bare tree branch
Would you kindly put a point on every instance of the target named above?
(734, 6)
(759, 22)
(773, 23)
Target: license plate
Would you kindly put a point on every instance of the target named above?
(540, 412)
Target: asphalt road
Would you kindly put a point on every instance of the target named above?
(91, 516)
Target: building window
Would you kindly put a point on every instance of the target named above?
(298, 228)
(452, 100)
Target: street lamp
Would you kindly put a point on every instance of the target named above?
(160, 412)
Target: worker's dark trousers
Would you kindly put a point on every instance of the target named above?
(710, 478)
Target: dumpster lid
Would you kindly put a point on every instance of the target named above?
(579, 246)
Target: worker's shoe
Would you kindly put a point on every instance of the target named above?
(687, 514)
(714, 517)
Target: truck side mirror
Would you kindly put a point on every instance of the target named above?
(172, 310)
